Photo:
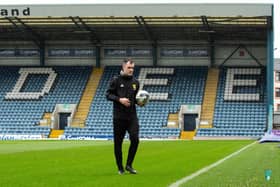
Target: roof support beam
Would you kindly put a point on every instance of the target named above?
(15, 22)
(249, 52)
(74, 21)
(207, 29)
(42, 53)
(149, 36)
(143, 25)
(205, 23)
(212, 53)
(39, 41)
(97, 55)
(154, 51)
(269, 73)
(232, 53)
(35, 37)
(12, 22)
(80, 23)
(94, 38)
(252, 56)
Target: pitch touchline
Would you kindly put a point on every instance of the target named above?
(207, 168)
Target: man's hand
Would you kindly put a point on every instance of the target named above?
(140, 104)
(125, 101)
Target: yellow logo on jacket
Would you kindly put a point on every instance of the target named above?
(134, 86)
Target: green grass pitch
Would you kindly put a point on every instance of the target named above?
(159, 163)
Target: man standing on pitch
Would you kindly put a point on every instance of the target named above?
(122, 91)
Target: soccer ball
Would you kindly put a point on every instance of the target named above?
(142, 97)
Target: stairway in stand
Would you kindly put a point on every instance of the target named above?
(173, 120)
(87, 98)
(187, 135)
(209, 99)
(46, 121)
(56, 133)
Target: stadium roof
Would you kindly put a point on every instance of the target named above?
(151, 22)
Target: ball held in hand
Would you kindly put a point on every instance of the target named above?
(142, 97)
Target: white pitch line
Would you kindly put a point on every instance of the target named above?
(207, 168)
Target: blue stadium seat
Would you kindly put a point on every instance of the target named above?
(21, 116)
(239, 118)
(185, 86)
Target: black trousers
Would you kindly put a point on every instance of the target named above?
(120, 128)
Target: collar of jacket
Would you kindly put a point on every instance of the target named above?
(125, 76)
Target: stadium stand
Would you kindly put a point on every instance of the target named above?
(184, 85)
(175, 51)
(21, 115)
(244, 112)
(19, 92)
(236, 114)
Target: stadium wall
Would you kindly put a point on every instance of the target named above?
(54, 57)
(241, 57)
(7, 58)
(169, 53)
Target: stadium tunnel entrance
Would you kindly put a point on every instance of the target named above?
(63, 120)
(190, 122)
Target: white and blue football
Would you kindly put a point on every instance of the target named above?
(142, 97)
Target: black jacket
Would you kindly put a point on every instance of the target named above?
(123, 86)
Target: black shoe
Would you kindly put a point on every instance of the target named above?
(130, 170)
(121, 172)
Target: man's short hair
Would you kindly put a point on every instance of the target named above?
(128, 60)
